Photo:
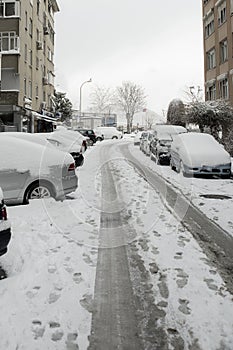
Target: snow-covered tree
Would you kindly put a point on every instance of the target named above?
(130, 98)
(102, 99)
(215, 115)
(176, 112)
(63, 105)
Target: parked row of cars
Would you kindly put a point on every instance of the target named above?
(42, 165)
(191, 153)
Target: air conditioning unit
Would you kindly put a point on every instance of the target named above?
(45, 81)
(39, 45)
(46, 30)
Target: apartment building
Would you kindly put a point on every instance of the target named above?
(218, 49)
(27, 66)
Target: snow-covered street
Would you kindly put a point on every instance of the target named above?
(50, 297)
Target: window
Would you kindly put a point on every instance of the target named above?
(222, 13)
(8, 41)
(211, 92)
(30, 57)
(209, 25)
(30, 89)
(26, 20)
(25, 87)
(38, 7)
(8, 9)
(37, 62)
(211, 59)
(223, 51)
(25, 53)
(37, 91)
(30, 26)
(223, 89)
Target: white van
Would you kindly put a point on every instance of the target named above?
(109, 132)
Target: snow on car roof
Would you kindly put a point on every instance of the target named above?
(24, 155)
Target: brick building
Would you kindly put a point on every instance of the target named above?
(218, 49)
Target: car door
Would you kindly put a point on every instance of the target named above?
(13, 183)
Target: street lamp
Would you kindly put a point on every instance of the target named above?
(80, 95)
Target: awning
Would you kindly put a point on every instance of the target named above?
(44, 117)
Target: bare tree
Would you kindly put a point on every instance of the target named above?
(193, 94)
(102, 99)
(131, 99)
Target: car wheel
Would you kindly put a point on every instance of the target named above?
(99, 139)
(114, 137)
(38, 190)
(172, 165)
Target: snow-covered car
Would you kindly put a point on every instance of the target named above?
(30, 170)
(67, 141)
(137, 137)
(145, 141)
(160, 148)
(108, 132)
(5, 227)
(168, 129)
(199, 154)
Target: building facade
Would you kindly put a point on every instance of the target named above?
(27, 66)
(218, 49)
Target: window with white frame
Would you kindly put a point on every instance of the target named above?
(223, 51)
(9, 41)
(9, 8)
(223, 89)
(211, 59)
(209, 25)
(222, 13)
(211, 92)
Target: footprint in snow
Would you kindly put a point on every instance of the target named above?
(53, 297)
(178, 255)
(57, 335)
(184, 307)
(52, 268)
(182, 278)
(210, 284)
(37, 329)
(77, 277)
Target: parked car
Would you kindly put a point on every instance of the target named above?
(145, 141)
(168, 129)
(160, 148)
(91, 135)
(109, 132)
(30, 170)
(63, 141)
(137, 138)
(5, 227)
(199, 154)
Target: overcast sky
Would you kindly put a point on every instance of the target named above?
(156, 44)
